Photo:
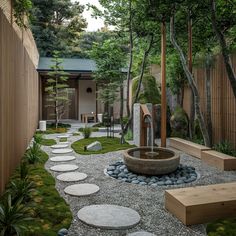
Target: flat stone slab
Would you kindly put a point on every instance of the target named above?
(141, 233)
(72, 176)
(62, 158)
(58, 146)
(64, 168)
(81, 189)
(109, 216)
(63, 143)
(62, 151)
(63, 136)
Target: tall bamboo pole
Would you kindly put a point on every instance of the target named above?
(163, 84)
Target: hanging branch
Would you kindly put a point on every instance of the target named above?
(191, 83)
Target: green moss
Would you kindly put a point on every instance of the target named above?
(48, 142)
(53, 131)
(225, 227)
(63, 139)
(49, 211)
(76, 134)
(93, 129)
(108, 145)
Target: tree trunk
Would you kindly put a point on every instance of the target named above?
(145, 55)
(224, 48)
(122, 139)
(130, 58)
(191, 83)
(208, 97)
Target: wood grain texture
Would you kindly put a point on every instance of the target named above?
(202, 204)
(18, 99)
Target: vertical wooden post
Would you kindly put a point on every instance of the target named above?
(163, 84)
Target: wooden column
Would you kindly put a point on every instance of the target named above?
(163, 84)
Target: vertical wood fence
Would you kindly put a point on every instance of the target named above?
(18, 96)
(223, 101)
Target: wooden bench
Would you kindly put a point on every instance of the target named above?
(188, 147)
(219, 160)
(197, 205)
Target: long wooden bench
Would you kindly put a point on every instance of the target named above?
(219, 160)
(188, 147)
(202, 204)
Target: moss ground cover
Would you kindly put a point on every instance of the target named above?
(63, 139)
(225, 227)
(108, 145)
(48, 142)
(49, 211)
(53, 131)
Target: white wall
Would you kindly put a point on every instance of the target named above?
(87, 101)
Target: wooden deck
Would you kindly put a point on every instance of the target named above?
(202, 204)
(188, 147)
(219, 160)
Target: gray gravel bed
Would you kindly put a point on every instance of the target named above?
(146, 200)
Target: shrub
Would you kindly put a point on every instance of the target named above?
(129, 135)
(225, 147)
(93, 129)
(87, 131)
(33, 154)
(24, 170)
(13, 217)
(38, 138)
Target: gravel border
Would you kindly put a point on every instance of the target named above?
(146, 200)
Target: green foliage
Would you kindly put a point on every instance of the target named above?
(22, 9)
(56, 26)
(53, 131)
(48, 142)
(60, 125)
(108, 145)
(33, 154)
(63, 139)
(150, 92)
(38, 138)
(58, 94)
(225, 147)
(24, 170)
(129, 135)
(87, 131)
(76, 134)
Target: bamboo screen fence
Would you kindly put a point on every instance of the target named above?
(18, 95)
(223, 101)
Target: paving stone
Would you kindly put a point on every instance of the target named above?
(72, 176)
(141, 233)
(58, 146)
(63, 136)
(109, 216)
(64, 168)
(81, 189)
(62, 151)
(62, 158)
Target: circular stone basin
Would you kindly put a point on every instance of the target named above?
(79, 190)
(58, 146)
(62, 151)
(62, 158)
(72, 176)
(109, 216)
(143, 161)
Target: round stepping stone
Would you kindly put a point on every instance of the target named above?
(63, 136)
(64, 168)
(62, 151)
(81, 189)
(58, 146)
(63, 143)
(141, 233)
(109, 216)
(62, 158)
(72, 176)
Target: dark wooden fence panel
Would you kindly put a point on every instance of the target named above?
(223, 101)
(18, 98)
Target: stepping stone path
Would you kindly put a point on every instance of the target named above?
(62, 151)
(81, 189)
(109, 216)
(141, 233)
(58, 146)
(72, 176)
(64, 168)
(62, 158)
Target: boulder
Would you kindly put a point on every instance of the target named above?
(95, 146)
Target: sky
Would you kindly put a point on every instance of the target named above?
(93, 24)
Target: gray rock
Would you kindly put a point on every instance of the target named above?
(180, 181)
(160, 183)
(109, 172)
(111, 168)
(63, 231)
(135, 182)
(168, 182)
(143, 183)
(95, 146)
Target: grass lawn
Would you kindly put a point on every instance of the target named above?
(63, 139)
(108, 145)
(222, 228)
(48, 142)
(93, 129)
(76, 134)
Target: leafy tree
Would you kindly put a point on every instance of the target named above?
(56, 25)
(57, 88)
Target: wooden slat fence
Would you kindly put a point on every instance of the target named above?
(223, 101)
(18, 98)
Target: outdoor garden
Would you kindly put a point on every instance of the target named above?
(164, 164)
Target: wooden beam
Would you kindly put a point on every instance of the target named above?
(163, 84)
